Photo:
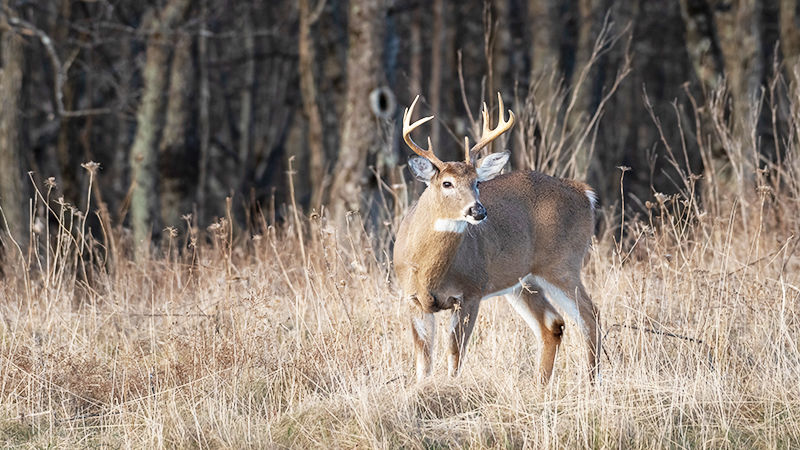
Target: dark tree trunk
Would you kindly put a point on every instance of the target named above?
(790, 37)
(582, 81)
(143, 151)
(308, 90)
(12, 176)
(204, 120)
(174, 171)
(701, 42)
(359, 130)
(68, 158)
(435, 87)
(246, 99)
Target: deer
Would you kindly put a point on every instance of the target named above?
(475, 233)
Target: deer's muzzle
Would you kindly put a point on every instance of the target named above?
(477, 212)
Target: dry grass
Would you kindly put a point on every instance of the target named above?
(250, 347)
(293, 335)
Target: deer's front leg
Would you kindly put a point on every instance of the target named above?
(462, 321)
(423, 331)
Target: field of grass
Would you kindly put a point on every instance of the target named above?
(265, 340)
(293, 334)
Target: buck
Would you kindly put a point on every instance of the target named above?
(475, 234)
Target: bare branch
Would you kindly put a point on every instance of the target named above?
(316, 12)
(59, 70)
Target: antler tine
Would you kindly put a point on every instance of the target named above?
(409, 127)
(489, 134)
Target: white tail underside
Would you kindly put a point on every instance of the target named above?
(590, 194)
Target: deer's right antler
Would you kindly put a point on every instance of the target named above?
(489, 134)
(409, 127)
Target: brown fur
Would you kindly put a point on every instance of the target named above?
(536, 224)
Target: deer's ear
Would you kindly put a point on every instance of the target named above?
(492, 165)
(422, 169)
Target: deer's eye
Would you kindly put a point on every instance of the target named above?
(447, 185)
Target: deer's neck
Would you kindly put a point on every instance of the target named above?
(436, 242)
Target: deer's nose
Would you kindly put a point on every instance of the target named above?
(477, 211)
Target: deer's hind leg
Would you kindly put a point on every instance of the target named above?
(570, 295)
(545, 321)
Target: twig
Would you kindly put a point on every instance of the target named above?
(650, 330)
(168, 315)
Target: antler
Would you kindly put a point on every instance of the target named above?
(488, 134)
(408, 128)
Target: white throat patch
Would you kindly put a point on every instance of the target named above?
(450, 225)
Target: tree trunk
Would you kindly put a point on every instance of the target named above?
(204, 121)
(415, 57)
(581, 80)
(702, 46)
(117, 171)
(174, 172)
(435, 87)
(543, 23)
(143, 151)
(738, 29)
(701, 42)
(308, 90)
(739, 34)
(12, 176)
(790, 37)
(504, 77)
(246, 98)
(545, 69)
(359, 131)
(68, 158)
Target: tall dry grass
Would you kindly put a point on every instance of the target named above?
(292, 334)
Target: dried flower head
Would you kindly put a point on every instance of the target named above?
(91, 166)
(172, 232)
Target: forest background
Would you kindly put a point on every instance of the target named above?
(186, 102)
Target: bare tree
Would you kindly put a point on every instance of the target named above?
(415, 54)
(790, 36)
(204, 120)
(11, 174)
(143, 152)
(724, 45)
(435, 87)
(583, 76)
(359, 131)
(701, 42)
(308, 90)
(173, 171)
(246, 96)
(738, 28)
(68, 159)
(543, 23)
